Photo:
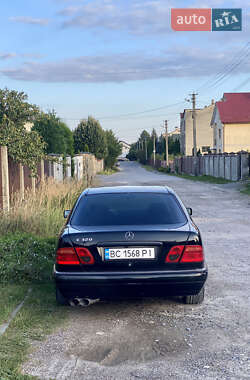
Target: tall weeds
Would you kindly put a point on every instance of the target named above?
(41, 213)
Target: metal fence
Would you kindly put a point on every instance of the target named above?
(232, 166)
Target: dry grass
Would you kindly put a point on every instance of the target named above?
(41, 213)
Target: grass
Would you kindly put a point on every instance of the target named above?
(27, 249)
(11, 296)
(148, 168)
(200, 178)
(37, 318)
(41, 213)
(109, 171)
(26, 259)
(246, 189)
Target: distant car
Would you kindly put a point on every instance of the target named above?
(129, 242)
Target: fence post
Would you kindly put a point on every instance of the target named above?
(228, 167)
(68, 167)
(244, 165)
(4, 179)
(235, 167)
(42, 171)
(33, 184)
(21, 181)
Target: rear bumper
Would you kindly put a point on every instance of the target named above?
(127, 284)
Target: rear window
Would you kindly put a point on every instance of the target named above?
(128, 209)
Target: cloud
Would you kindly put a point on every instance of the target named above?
(218, 4)
(4, 56)
(32, 55)
(30, 20)
(117, 68)
(138, 17)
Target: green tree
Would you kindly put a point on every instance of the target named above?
(114, 149)
(132, 154)
(23, 146)
(145, 141)
(56, 134)
(173, 145)
(89, 136)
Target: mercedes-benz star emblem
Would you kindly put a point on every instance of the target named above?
(129, 235)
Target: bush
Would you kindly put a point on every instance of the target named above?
(164, 170)
(26, 259)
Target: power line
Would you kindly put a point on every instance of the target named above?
(227, 75)
(227, 68)
(141, 112)
(131, 113)
(241, 85)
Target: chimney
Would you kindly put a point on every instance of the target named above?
(212, 102)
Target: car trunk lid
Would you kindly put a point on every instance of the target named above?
(154, 239)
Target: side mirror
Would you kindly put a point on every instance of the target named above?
(66, 213)
(189, 210)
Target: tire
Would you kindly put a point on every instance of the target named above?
(60, 299)
(196, 298)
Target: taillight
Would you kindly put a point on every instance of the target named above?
(85, 256)
(192, 254)
(67, 256)
(185, 254)
(174, 254)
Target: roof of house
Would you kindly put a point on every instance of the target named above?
(176, 131)
(234, 107)
(124, 143)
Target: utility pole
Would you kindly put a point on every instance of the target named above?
(194, 124)
(154, 149)
(146, 149)
(166, 133)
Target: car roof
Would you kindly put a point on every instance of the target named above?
(128, 189)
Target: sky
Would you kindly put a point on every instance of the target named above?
(119, 60)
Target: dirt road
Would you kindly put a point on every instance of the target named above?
(162, 338)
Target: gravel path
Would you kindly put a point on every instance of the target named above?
(163, 338)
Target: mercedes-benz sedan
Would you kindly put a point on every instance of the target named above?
(129, 242)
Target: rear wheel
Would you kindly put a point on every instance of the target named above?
(60, 299)
(196, 298)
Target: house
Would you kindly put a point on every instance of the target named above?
(125, 148)
(204, 134)
(175, 134)
(231, 123)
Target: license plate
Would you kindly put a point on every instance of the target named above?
(129, 253)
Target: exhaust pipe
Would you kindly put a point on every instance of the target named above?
(84, 302)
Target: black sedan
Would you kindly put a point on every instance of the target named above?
(129, 242)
